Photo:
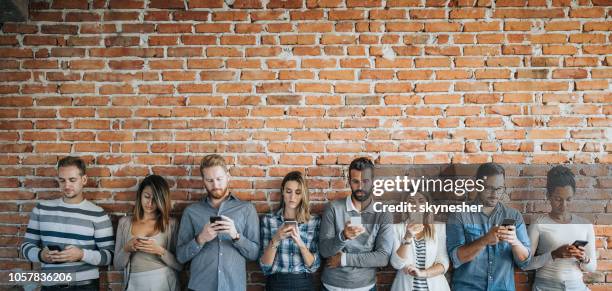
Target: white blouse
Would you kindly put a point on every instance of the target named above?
(547, 235)
(435, 252)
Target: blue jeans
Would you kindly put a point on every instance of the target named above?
(289, 282)
(93, 286)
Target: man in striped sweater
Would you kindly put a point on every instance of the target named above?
(70, 235)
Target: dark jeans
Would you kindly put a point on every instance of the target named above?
(289, 282)
(325, 289)
(93, 286)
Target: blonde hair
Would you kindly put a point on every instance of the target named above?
(428, 226)
(303, 211)
(210, 161)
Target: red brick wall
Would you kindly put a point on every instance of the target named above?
(141, 87)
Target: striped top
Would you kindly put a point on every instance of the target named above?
(84, 225)
(419, 284)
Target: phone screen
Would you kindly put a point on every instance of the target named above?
(356, 220)
(580, 243)
(214, 219)
(54, 248)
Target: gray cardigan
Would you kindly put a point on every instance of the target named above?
(364, 254)
(122, 258)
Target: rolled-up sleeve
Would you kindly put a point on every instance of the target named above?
(314, 248)
(521, 234)
(455, 238)
(265, 234)
(397, 262)
(590, 250)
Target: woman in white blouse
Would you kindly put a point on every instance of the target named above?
(419, 251)
(558, 263)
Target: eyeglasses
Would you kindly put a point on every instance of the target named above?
(498, 190)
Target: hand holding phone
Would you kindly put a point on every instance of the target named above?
(291, 223)
(580, 243)
(508, 222)
(355, 221)
(214, 219)
(54, 248)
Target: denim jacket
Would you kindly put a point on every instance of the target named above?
(493, 268)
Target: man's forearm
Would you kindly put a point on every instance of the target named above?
(330, 246)
(521, 253)
(469, 251)
(377, 258)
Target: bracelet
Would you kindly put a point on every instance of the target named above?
(276, 244)
(406, 241)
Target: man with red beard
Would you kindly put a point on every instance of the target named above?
(218, 234)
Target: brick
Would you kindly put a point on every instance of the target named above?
(530, 86)
(481, 26)
(569, 74)
(442, 27)
(427, 13)
(528, 13)
(467, 13)
(594, 12)
(349, 14)
(205, 4)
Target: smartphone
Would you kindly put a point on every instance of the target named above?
(508, 222)
(580, 243)
(291, 222)
(355, 220)
(143, 238)
(54, 248)
(214, 219)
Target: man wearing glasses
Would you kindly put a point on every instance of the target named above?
(485, 246)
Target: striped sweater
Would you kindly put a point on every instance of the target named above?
(84, 225)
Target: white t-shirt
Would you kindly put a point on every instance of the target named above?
(547, 235)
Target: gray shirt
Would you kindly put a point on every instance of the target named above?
(219, 264)
(364, 254)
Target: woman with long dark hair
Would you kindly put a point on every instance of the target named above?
(290, 239)
(146, 241)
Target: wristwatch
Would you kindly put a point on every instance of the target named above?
(406, 241)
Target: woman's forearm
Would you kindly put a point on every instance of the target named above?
(402, 251)
(435, 270)
(307, 256)
(269, 253)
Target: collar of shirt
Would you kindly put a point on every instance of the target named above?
(496, 209)
(230, 197)
(351, 207)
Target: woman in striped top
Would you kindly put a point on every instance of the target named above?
(419, 251)
(146, 241)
